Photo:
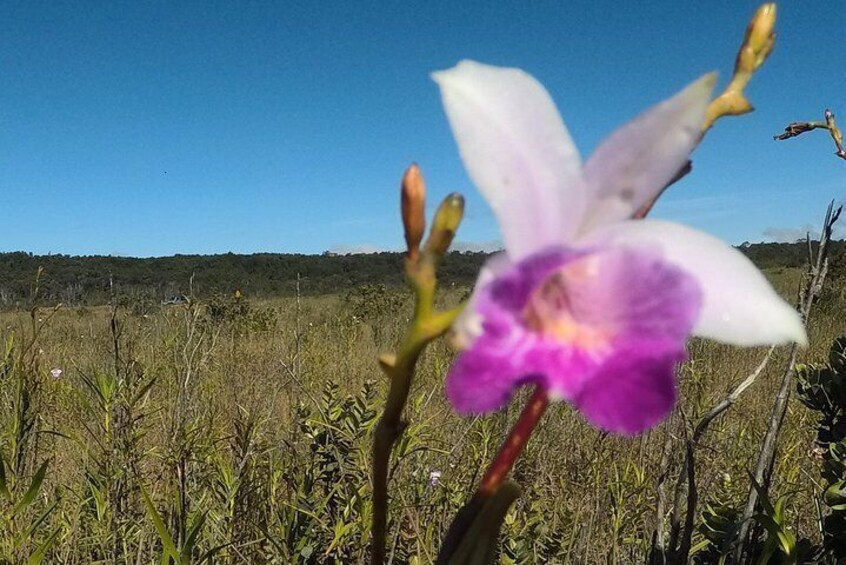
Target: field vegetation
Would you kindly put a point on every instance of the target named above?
(238, 429)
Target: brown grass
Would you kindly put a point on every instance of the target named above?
(588, 498)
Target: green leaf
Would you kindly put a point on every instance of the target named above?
(191, 538)
(33, 489)
(37, 522)
(699, 546)
(99, 499)
(167, 541)
(780, 537)
(37, 557)
(212, 552)
(835, 495)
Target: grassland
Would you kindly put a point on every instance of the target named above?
(238, 431)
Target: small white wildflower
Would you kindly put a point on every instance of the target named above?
(434, 478)
(56, 373)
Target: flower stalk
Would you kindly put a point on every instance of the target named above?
(756, 47)
(513, 445)
(426, 326)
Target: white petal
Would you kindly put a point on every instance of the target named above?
(517, 151)
(468, 325)
(739, 304)
(637, 161)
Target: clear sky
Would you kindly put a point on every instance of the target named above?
(155, 128)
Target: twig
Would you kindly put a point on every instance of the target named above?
(817, 270)
(678, 495)
(794, 129)
(727, 402)
(692, 497)
(814, 287)
(657, 554)
(689, 461)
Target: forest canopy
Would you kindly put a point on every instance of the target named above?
(85, 280)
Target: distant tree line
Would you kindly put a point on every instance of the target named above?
(86, 280)
(775, 255)
(76, 280)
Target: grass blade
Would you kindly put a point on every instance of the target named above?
(33, 489)
(37, 557)
(164, 535)
(191, 538)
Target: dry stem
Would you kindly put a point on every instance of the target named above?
(795, 129)
(817, 270)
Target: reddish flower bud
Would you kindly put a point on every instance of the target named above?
(413, 205)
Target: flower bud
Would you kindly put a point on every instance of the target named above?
(759, 37)
(445, 224)
(413, 206)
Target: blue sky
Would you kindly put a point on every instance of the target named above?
(155, 128)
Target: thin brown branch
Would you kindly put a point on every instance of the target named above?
(815, 278)
(678, 496)
(732, 397)
(795, 129)
(689, 472)
(657, 555)
(692, 498)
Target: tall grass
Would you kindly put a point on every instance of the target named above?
(231, 431)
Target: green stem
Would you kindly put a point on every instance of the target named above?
(425, 328)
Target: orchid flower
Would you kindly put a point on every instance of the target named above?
(591, 305)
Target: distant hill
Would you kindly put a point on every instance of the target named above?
(85, 280)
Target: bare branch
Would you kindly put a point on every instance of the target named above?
(691, 444)
(815, 278)
(692, 498)
(794, 129)
(658, 549)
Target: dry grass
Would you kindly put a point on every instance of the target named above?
(224, 416)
